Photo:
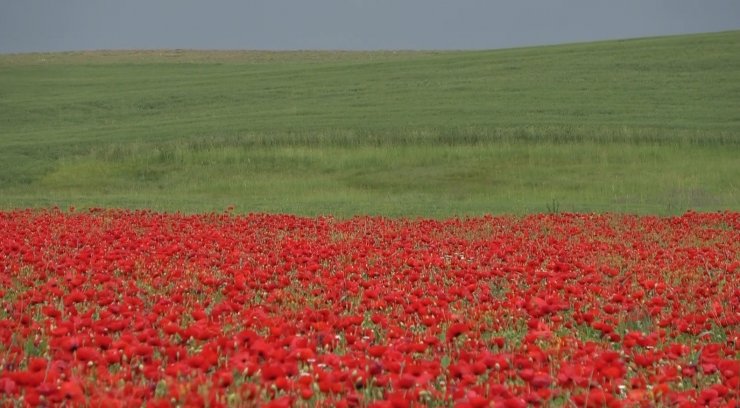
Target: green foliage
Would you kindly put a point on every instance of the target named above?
(647, 126)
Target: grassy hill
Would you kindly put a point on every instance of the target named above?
(648, 126)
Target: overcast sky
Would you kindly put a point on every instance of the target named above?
(60, 25)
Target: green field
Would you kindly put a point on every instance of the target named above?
(644, 126)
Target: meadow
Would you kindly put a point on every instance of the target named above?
(638, 126)
(252, 275)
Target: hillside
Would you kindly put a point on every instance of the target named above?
(647, 125)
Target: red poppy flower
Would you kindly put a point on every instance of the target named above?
(87, 354)
(71, 392)
(456, 330)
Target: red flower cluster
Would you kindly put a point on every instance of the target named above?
(119, 308)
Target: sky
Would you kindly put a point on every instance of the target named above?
(69, 25)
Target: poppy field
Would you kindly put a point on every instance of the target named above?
(110, 308)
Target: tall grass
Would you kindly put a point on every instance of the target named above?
(411, 180)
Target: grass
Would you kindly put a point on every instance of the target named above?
(645, 126)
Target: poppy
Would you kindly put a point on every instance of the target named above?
(457, 329)
(71, 392)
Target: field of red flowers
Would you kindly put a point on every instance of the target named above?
(120, 308)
